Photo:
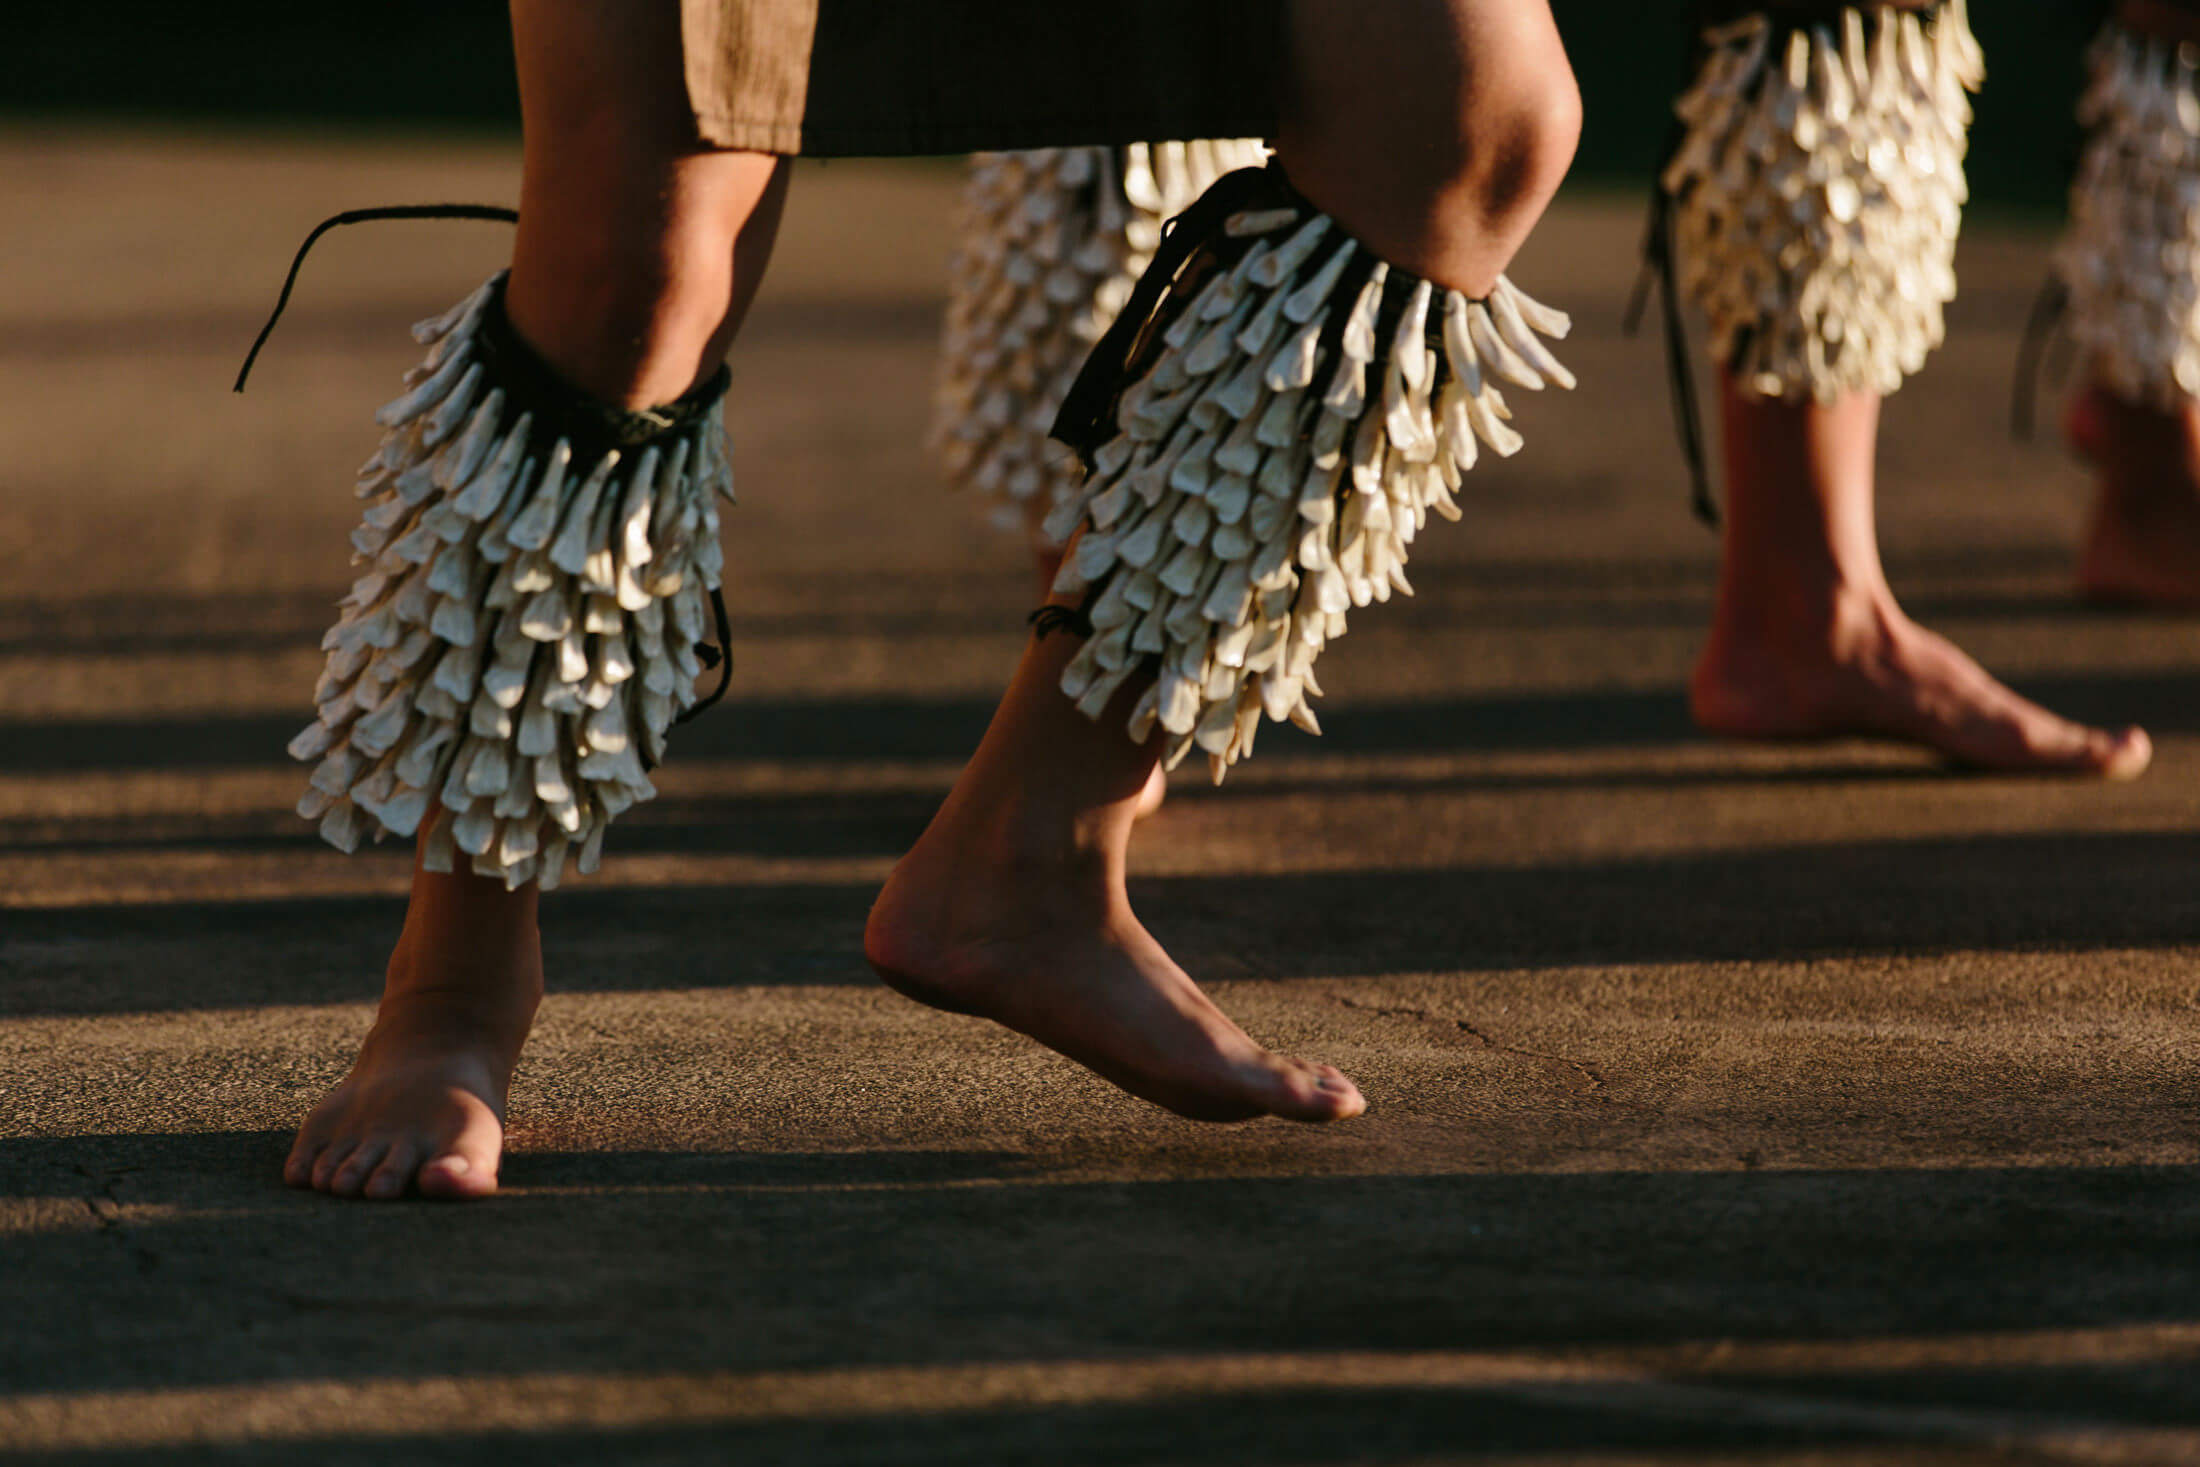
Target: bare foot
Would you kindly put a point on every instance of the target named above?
(1869, 670)
(2142, 545)
(1080, 975)
(423, 1106)
(1807, 641)
(1012, 906)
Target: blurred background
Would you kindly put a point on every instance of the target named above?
(416, 64)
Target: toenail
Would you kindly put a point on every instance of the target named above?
(456, 1165)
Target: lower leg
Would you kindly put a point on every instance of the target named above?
(2142, 542)
(1013, 903)
(1013, 906)
(424, 1103)
(635, 258)
(1047, 560)
(1807, 640)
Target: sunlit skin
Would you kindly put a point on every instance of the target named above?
(1807, 639)
(635, 258)
(635, 313)
(1048, 560)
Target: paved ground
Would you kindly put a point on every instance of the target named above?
(1727, 1104)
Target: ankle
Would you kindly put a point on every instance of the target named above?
(489, 974)
(1833, 612)
(2146, 454)
(1048, 843)
(496, 996)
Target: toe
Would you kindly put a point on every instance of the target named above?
(298, 1166)
(1313, 1093)
(350, 1178)
(330, 1161)
(395, 1172)
(467, 1167)
(2124, 755)
(454, 1178)
(1343, 1094)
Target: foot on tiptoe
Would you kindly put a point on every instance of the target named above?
(2142, 544)
(1868, 670)
(1051, 950)
(423, 1107)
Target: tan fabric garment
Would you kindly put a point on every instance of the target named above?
(748, 70)
(871, 77)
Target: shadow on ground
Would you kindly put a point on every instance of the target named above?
(2055, 891)
(701, 1263)
(901, 728)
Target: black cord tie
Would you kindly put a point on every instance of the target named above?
(720, 657)
(2042, 330)
(1049, 619)
(1087, 416)
(1659, 249)
(360, 216)
(590, 426)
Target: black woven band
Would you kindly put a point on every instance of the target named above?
(591, 426)
(1800, 13)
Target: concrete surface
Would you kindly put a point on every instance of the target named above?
(1733, 1105)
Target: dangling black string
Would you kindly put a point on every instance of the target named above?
(720, 657)
(1658, 271)
(2041, 330)
(2044, 329)
(360, 216)
(515, 355)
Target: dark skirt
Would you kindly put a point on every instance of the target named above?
(895, 77)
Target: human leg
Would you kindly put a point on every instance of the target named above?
(636, 255)
(1051, 242)
(423, 1106)
(1807, 639)
(1822, 254)
(2135, 309)
(1012, 904)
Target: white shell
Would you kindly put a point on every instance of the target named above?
(2130, 257)
(475, 674)
(1051, 243)
(1261, 483)
(1817, 192)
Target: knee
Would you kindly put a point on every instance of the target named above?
(1476, 126)
(1511, 150)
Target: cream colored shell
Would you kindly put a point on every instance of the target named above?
(524, 632)
(1271, 467)
(1050, 244)
(1817, 193)
(2130, 257)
